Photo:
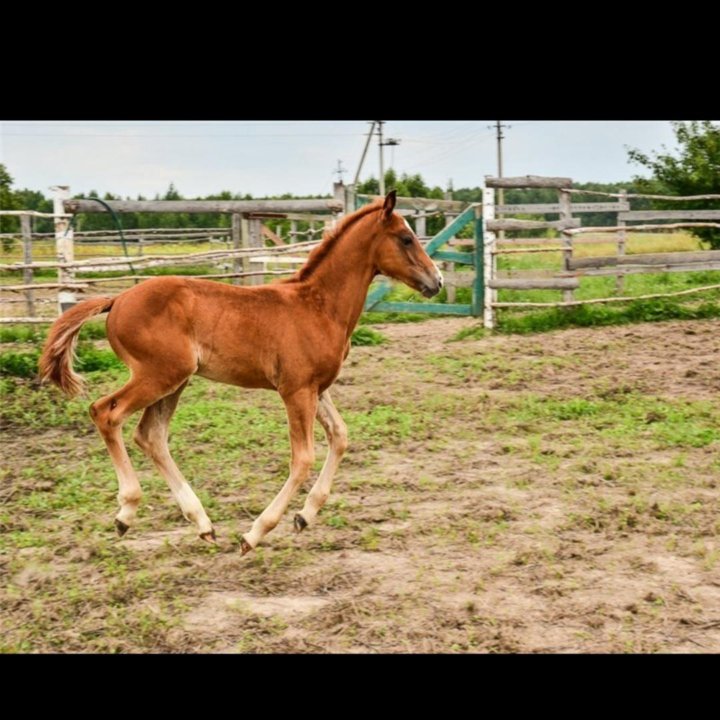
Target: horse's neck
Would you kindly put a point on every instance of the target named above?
(343, 277)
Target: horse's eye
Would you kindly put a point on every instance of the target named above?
(406, 240)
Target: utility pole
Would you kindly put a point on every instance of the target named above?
(364, 153)
(339, 171)
(381, 145)
(501, 192)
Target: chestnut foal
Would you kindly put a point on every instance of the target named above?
(291, 337)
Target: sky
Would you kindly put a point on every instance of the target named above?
(299, 157)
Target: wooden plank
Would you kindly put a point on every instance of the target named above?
(432, 308)
(513, 242)
(570, 283)
(532, 224)
(489, 260)
(236, 234)
(410, 203)
(26, 320)
(540, 208)
(64, 247)
(565, 201)
(450, 230)
(377, 293)
(621, 251)
(647, 269)
(670, 215)
(532, 273)
(420, 226)
(459, 279)
(271, 236)
(478, 286)
(27, 259)
(615, 228)
(464, 258)
(514, 251)
(205, 206)
(254, 241)
(448, 267)
(675, 258)
(528, 181)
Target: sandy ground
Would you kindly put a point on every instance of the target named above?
(476, 534)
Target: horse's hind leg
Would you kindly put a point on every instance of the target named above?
(151, 435)
(109, 414)
(336, 432)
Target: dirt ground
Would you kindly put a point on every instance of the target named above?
(540, 494)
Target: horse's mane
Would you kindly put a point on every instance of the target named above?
(330, 239)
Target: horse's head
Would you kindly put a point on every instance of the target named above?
(398, 254)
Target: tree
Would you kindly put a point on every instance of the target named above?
(694, 171)
(7, 201)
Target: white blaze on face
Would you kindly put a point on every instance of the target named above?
(439, 274)
(407, 225)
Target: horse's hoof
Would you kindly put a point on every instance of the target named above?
(299, 522)
(121, 527)
(245, 546)
(209, 537)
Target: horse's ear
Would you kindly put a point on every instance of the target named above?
(389, 204)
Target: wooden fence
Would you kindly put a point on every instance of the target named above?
(248, 251)
(570, 232)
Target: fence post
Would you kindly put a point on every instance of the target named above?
(478, 282)
(254, 226)
(450, 286)
(27, 259)
(236, 234)
(620, 277)
(245, 243)
(64, 247)
(566, 214)
(489, 259)
(350, 199)
(340, 194)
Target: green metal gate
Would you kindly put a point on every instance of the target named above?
(473, 214)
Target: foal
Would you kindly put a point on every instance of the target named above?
(291, 337)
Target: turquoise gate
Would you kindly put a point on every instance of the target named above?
(473, 214)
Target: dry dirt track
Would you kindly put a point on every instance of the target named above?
(517, 516)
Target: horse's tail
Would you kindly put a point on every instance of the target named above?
(57, 356)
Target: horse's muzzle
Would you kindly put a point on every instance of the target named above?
(431, 283)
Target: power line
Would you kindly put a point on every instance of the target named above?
(501, 193)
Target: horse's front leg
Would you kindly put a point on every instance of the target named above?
(301, 407)
(336, 432)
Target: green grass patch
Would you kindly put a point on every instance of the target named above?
(367, 336)
(89, 358)
(32, 334)
(628, 418)
(600, 315)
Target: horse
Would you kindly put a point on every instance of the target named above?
(292, 337)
